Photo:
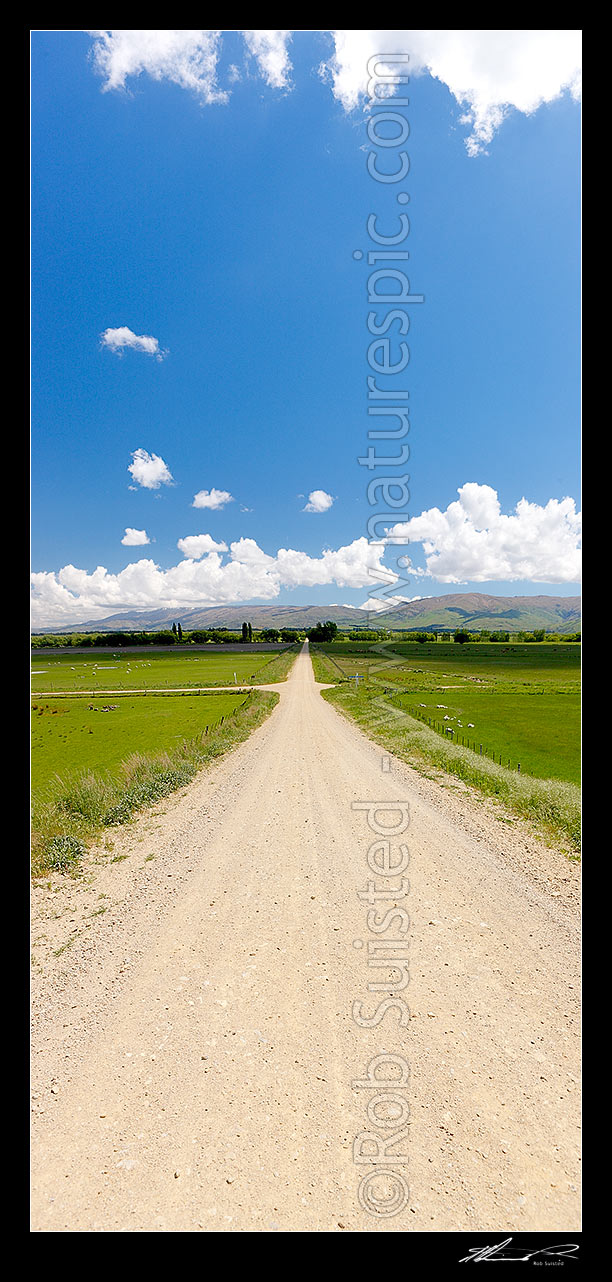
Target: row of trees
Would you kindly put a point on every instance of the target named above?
(327, 631)
(170, 637)
(539, 634)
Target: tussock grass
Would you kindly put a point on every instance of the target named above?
(552, 804)
(65, 822)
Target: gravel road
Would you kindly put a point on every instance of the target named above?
(209, 1052)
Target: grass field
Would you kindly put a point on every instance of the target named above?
(68, 812)
(521, 702)
(98, 759)
(73, 735)
(146, 670)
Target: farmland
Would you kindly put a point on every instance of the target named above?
(113, 733)
(71, 735)
(151, 670)
(499, 716)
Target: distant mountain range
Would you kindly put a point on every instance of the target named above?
(472, 610)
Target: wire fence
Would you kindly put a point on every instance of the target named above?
(456, 735)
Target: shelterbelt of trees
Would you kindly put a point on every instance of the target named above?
(323, 632)
(174, 637)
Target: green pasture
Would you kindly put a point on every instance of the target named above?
(409, 662)
(520, 701)
(159, 671)
(69, 737)
(538, 731)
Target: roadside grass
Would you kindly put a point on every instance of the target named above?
(277, 667)
(69, 814)
(552, 804)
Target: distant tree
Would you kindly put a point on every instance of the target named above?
(270, 634)
(179, 632)
(245, 632)
(323, 632)
(461, 636)
(250, 633)
(538, 634)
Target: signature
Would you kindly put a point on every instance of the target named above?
(503, 1251)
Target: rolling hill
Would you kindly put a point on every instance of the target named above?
(472, 610)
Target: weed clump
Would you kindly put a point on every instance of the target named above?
(63, 852)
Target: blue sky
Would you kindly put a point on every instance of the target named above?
(223, 233)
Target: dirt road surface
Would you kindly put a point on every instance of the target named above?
(200, 1015)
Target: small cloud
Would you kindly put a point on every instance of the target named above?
(269, 48)
(186, 58)
(135, 538)
(149, 470)
(195, 546)
(387, 603)
(118, 339)
(318, 501)
(212, 499)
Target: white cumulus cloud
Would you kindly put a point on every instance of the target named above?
(119, 339)
(378, 604)
(149, 470)
(318, 501)
(489, 73)
(269, 48)
(213, 499)
(72, 595)
(135, 538)
(187, 58)
(198, 545)
(474, 541)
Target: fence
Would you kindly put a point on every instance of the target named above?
(449, 732)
